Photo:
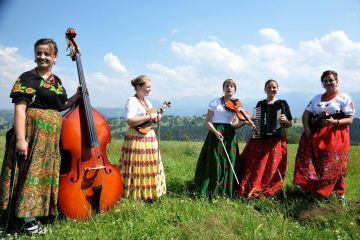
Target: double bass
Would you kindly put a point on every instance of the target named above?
(88, 182)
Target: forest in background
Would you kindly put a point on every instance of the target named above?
(188, 128)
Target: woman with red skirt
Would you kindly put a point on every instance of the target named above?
(263, 161)
(320, 164)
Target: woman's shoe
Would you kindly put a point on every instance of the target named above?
(33, 228)
(341, 199)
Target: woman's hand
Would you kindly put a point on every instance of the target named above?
(307, 132)
(22, 148)
(283, 119)
(219, 136)
(330, 121)
(154, 117)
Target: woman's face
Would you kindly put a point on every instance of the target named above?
(329, 83)
(229, 89)
(145, 89)
(271, 89)
(45, 56)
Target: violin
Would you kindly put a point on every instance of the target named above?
(88, 182)
(236, 106)
(145, 127)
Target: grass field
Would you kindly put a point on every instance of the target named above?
(181, 215)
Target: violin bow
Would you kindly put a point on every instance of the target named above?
(228, 158)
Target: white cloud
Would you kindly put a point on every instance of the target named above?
(270, 34)
(12, 64)
(174, 31)
(113, 62)
(210, 53)
(199, 69)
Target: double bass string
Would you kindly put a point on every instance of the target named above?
(92, 132)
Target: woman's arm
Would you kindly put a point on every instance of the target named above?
(339, 122)
(211, 127)
(74, 98)
(305, 120)
(136, 121)
(19, 125)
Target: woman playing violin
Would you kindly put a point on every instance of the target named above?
(263, 161)
(141, 165)
(29, 177)
(214, 175)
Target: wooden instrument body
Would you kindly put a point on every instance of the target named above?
(145, 127)
(77, 197)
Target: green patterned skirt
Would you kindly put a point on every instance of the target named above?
(213, 174)
(36, 179)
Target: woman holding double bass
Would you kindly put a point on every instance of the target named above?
(29, 179)
(214, 174)
(140, 162)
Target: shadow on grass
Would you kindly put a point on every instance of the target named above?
(180, 188)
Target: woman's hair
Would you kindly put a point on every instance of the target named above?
(229, 81)
(49, 42)
(139, 81)
(327, 73)
(269, 81)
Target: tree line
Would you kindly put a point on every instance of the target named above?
(186, 128)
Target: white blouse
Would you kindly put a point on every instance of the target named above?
(341, 103)
(134, 108)
(221, 115)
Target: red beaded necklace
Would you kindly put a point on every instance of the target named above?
(327, 97)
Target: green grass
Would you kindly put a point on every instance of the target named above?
(181, 215)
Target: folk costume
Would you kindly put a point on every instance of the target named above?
(320, 165)
(213, 174)
(35, 180)
(263, 161)
(141, 165)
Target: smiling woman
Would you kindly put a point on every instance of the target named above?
(30, 170)
(320, 164)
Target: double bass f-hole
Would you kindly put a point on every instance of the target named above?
(89, 183)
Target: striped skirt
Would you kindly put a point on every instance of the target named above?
(36, 179)
(213, 174)
(141, 166)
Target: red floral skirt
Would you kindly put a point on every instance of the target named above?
(320, 164)
(262, 166)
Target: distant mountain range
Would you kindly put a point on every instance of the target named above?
(198, 105)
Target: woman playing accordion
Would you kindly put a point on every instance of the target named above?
(263, 161)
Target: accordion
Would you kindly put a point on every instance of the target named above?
(266, 120)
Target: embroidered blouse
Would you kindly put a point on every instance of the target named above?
(340, 103)
(38, 92)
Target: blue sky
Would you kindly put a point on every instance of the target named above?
(188, 48)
